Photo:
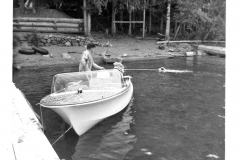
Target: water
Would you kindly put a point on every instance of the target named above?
(172, 115)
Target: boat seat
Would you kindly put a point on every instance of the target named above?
(76, 87)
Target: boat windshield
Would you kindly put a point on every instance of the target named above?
(90, 80)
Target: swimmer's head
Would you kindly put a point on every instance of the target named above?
(118, 62)
(118, 65)
(162, 69)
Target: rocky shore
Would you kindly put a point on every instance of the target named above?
(67, 49)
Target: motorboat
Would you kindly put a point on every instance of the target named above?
(83, 99)
(110, 58)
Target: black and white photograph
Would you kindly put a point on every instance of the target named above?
(118, 80)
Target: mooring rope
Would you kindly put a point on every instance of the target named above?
(161, 69)
(141, 69)
(62, 135)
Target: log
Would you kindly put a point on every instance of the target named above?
(45, 24)
(48, 30)
(132, 59)
(54, 20)
(188, 41)
(213, 50)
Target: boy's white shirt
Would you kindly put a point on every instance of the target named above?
(86, 55)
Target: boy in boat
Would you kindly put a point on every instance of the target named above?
(86, 62)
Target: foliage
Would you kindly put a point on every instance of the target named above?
(119, 4)
(207, 15)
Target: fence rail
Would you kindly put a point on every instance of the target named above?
(48, 25)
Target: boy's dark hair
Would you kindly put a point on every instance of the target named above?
(90, 45)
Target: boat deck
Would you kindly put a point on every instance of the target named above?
(72, 97)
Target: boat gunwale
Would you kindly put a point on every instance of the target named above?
(83, 72)
(89, 102)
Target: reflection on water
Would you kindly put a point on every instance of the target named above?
(190, 61)
(115, 144)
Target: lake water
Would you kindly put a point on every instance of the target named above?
(172, 116)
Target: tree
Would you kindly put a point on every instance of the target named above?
(168, 21)
(208, 16)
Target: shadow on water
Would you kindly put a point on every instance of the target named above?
(173, 115)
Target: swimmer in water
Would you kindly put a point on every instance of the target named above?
(162, 69)
(118, 66)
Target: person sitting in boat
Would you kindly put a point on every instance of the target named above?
(118, 65)
(86, 62)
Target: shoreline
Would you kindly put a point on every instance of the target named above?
(98, 60)
(134, 49)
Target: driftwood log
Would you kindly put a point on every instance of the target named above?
(48, 25)
(54, 20)
(48, 30)
(189, 41)
(45, 24)
(212, 50)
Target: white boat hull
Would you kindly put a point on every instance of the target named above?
(84, 116)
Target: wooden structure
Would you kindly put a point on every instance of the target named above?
(130, 22)
(29, 141)
(48, 25)
(24, 138)
(55, 25)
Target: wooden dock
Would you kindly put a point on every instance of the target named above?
(23, 137)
